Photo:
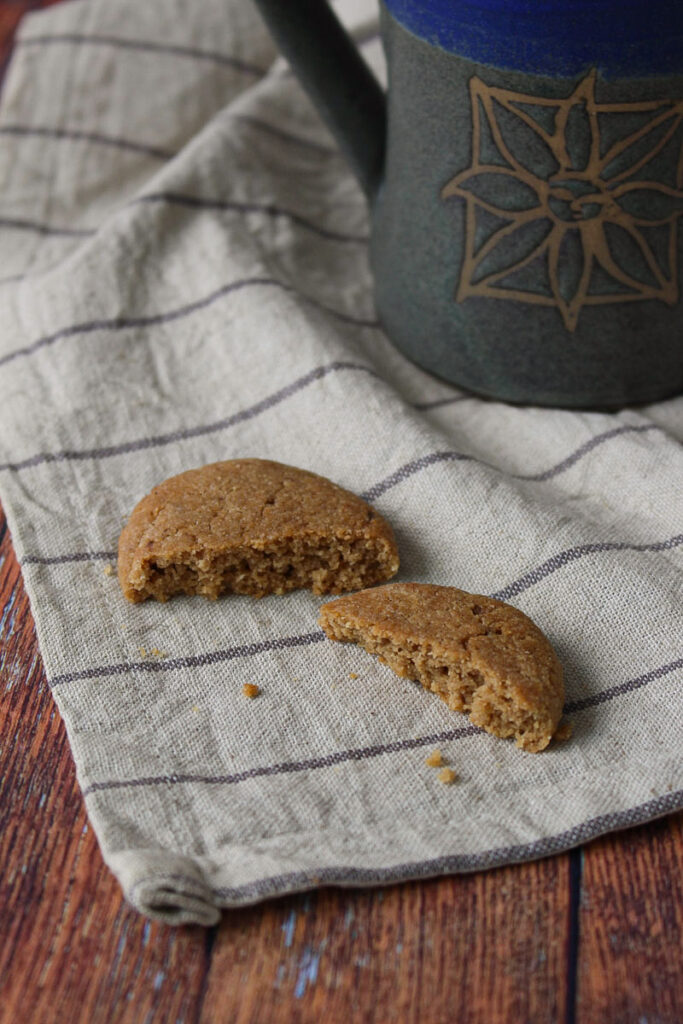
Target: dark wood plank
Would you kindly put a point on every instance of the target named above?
(489, 948)
(71, 948)
(630, 968)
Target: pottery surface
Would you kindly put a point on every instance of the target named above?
(525, 181)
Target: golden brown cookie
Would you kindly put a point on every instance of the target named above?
(252, 527)
(479, 655)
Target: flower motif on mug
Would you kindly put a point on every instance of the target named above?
(570, 202)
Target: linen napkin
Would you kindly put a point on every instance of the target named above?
(184, 265)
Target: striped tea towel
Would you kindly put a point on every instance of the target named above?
(183, 255)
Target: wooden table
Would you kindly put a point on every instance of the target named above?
(594, 935)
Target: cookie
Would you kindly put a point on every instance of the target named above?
(479, 655)
(252, 527)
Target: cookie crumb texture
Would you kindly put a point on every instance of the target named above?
(250, 526)
(479, 655)
(435, 759)
(447, 776)
(564, 732)
(251, 690)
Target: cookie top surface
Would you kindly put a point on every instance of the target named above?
(444, 617)
(244, 502)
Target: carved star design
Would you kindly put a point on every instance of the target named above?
(570, 202)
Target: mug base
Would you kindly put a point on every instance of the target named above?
(511, 394)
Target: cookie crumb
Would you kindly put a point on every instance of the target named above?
(108, 570)
(195, 709)
(159, 654)
(447, 776)
(564, 732)
(435, 759)
(143, 652)
(353, 675)
(251, 690)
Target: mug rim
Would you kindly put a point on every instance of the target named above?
(621, 38)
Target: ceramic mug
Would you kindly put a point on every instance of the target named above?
(524, 173)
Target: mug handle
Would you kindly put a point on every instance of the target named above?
(346, 93)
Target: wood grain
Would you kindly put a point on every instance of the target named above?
(630, 968)
(481, 949)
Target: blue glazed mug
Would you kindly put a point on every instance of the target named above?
(524, 173)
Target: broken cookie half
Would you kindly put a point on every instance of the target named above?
(251, 526)
(479, 655)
